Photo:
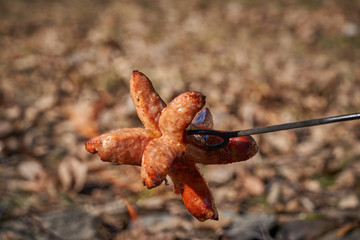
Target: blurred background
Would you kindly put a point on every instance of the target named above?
(64, 78)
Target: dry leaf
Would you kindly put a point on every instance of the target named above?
(35, 175)
(72, 174)
(31, 170)
(84, 115)
(345, 229)
(254, 185)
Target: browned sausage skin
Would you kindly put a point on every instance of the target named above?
(196, 195)
(161, 152)
(162, 148)
(147, 102)
(123, 146)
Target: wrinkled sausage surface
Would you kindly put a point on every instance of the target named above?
(163, 148)
(161, 152)
(146, 100)
(196, 195)
(124, 146)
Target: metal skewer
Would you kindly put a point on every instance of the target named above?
(273, 128)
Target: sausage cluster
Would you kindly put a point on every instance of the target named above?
(163, 149)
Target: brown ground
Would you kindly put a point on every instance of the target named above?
(64, 72)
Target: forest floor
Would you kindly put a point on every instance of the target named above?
(64, 78)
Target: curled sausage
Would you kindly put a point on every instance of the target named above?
(161, 152)
(196, 195)
(158, 156)
(177, 116)
(238, 149)
(124, 146)
(146, 100)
